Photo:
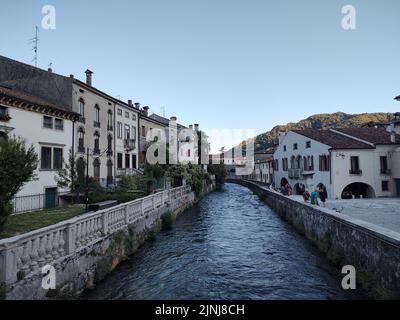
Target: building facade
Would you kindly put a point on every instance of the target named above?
(354, 162)
(49, 128)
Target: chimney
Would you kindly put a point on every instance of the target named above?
(130, 103)
(196, 127)
(191, 127)
(71, 76)
(89, 77)
(137, 105)
(50, 70)
(281, 136)
(173, 119)
(146, 110)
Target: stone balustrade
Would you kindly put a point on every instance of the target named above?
(26, 254)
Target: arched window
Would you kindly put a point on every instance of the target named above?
(109, 145)
(96, 142)
(97, 116)
(109, 120)
(81, 107)
(109, 172)
(96, 169)
(81, 140)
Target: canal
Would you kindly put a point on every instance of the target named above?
(228, 246)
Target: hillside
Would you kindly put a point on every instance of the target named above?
(319, 121)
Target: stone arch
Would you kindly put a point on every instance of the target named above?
(358, 190)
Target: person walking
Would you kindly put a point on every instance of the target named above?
(323, 194)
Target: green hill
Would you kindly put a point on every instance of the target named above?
(319, 121)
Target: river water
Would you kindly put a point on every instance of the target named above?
(228, 246)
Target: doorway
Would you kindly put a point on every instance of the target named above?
(50, 198)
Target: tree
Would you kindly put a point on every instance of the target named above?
(220, 173)
(72, 175)
(17, 167)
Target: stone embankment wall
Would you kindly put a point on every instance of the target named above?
(84, 249)
(372, 250)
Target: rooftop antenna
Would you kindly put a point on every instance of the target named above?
(163, 111)
(35, 42)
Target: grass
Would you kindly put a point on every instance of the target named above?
(25, 222)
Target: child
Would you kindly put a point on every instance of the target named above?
(314, 197)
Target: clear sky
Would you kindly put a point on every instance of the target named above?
(221, 63)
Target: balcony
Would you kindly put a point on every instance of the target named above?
(110, 153)
(110, 128)
(144, 144)
(355, 172)
(386, 172)
(129, 144)
(82, 119)
(81, 149)
(295, 173)
(127, 172)
(96, 124)
(96, 151)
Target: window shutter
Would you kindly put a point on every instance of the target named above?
(312, 163)
(305, 163)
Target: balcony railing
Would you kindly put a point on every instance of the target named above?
(110, 153)
(295, 173)
(127, 172)
(81, 119)
(129, 144)
(96, 124)
(81, 149)
(355, 172)
(96, 151)
(386, 172)
(110, 128)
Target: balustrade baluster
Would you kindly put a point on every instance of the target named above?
(34, 254)
(61, 248)
(42, 250)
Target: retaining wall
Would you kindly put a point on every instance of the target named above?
(84, 249)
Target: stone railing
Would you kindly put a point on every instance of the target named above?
(26, 254)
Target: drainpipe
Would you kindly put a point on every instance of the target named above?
(115, 142)
(73, 155)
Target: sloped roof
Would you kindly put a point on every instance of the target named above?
(373, 135)
(163, 120)
(22, 96)
(332, 139)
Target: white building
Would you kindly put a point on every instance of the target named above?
(350, 162)
(48, 128)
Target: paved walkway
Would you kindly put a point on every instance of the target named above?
(384, 212)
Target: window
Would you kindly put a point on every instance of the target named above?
(133, 133)
(385, 185)
(96, 168)
(46, 158)
(127, 160)
(57, 158)
(324, 163)
(109, 120)
(133, 117)
(285, 164)
(97, 116)
(48, 122)
(308, 144)
(109, 145)
(119, 111)
(284, 148)
(4, 116)
(143, 131)
(59, 124)
(355, 165)
(81, 140)
(384, 165)
(81, 107)
(119, 160)
(96, 143)
(295, 146)
(127, 132)
(109, 172)
(126, 114)
(119, 130)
